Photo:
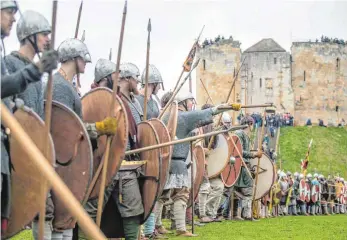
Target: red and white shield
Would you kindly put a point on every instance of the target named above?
(302, 190)
(315, 193)
(308, 193)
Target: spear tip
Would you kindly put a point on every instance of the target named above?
(149, 26)
(125, 7)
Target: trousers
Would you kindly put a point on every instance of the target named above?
(49, 234)
(214, 197)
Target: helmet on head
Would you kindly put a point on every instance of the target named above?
(342, 179)
(103, 68)
(154, 76)
(282, 174)
(309, 175)
(315, 175)
(8, 4)
(301, 176)
(31, 23)
(128, 70)
(226, 118)
(248, 120)
(184, 95)
(321, 176)
(289, 173)
(296, 174)
(72, 48)
(278, 171)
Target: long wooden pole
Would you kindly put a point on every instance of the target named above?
(48, 116)
(40, 161)
(184, 140)
(177, 90)
(227, 100)
(192, 182)
(76, 36)
(109, 138)
(258, 163)
(208, 95)
(149, 28)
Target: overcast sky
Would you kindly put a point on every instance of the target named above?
(176, 24)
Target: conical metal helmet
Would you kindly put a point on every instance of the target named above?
(226, 118)
(154, 75)
(129, 70)
(103, 68)
(31, 23)
(8, 4)
(72, 48)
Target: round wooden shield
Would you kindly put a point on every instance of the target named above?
(172, 122)
(302, 190)
(231, 172)
(166, 152)
(96, 106)
(199, 169)
(74, 159)
(150, 184)
(218, 158)
(266, 175)
(26, 177)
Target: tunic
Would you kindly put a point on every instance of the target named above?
(152, 106)
(186, 122)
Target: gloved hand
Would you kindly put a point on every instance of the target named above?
(259, 154)
(107, 127)
(236, 106)
(48, 61)
(232, 160)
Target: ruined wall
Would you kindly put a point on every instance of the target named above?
(319, 80)
(265, 78)
(219, 63)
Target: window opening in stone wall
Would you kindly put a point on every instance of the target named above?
(204, 64)
(304, 76)
(275, 60)
(338, 64)
(260, 83)
(234, 72)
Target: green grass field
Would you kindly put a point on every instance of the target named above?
(283, 228)
(328, 152)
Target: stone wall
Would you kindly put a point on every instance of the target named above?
(265, 78)
(319, 80)
(219, 64)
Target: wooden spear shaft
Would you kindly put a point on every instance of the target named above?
(184, 140)
(208, 95)
(48, 116)
(149, 28)
(227, 100)
(76, 36)
(258, 163)
(59, 187)
(109, 138)
(177, 90)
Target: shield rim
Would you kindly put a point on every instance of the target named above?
(85, 133)
(7, 235)
(228, 165)
(125, 132)
(173, 112)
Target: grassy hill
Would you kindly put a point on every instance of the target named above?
(328, 153)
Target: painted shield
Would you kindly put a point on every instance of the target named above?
(111, 222)
(150, 183)
(74, 160)
(232, 172)
(315, 193)
(26, 177)
(96, 105)
(166, 152)
(308, 192)
(266, 175)
(302, 190)
(198, 173)
(172, 123)
(218, 158)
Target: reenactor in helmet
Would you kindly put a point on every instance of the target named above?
(125, 189)
(284, 188)
(293, 194)
(310, 205)
(245, 183)
(302, 203)
(324, 194)
(177, 182)
(12, 84)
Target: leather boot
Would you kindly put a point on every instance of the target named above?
(238, 216)
(185, 234)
